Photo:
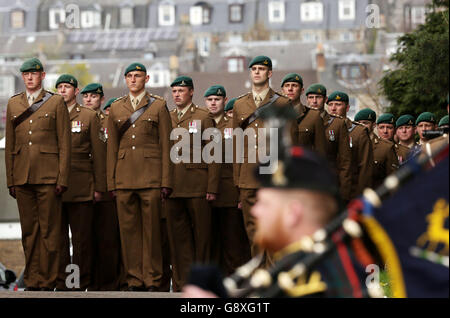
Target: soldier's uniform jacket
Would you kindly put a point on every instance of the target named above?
(339, 153)
(243, 108)
(228, 193)
(192, 179)
(311, 131)
(385, 159)
(362, 157)
(38, 150)
(141, 158)
(402, 153)
(87, 168)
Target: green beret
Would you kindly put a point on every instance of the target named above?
(183, 81)
(316, 89)
(109, 102)
(443, 121)
(386, 119)
(338, 97)
(405, 120)
(261, 60)
(67, 78)
(93, 88)
(216, 90)
(427, 117)
(230, 104)
(32, 65)
(135, 67)
(366, 114)
(292, 78)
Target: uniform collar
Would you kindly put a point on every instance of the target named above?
(138, 98)
(262, 94)
(35, 94)
(184, 110)
(219, 119)
(69, 108)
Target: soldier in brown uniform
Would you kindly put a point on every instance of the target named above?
(196, 184)
(87, 183)
(386, 131)
(139, 170)
(426, 121)
(107, 265)
(384, 155)
(339, 153)
(37, 156)
(311, 131)
(243, 117)
(228, 229)
(362, 152)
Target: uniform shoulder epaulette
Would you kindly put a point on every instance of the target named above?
(202, 109)
(51, 93)
(337, 116)
(156, 96)
(119, 98)
(18, 94)
(84, 107)
(244, 95)
(313, 108)
(281, 95)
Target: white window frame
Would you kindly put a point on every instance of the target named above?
(204, 46)
(52, 18)
(235, 65)
(311, 12)
(414, 18)
(166, 10)
(273, 7)
(126, 15)
(234, 8)
(347, 4)
(90, 19)
(196, 15)
(17, 16)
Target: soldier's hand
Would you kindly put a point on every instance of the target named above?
(211, 197)
(59, 190)
(191, 291)
(165, 193)
(240, 205)
(98, 196)
(12, 192)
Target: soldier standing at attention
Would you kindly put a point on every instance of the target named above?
(196, 185)
(229, 108)
(106, 236)
(37, 157)
(246, 115)
(384, 155)
(311, 131)
(405, 131)
(360, 144)
(233, 246)
(87, 183)
(139, 170)
(426, 121)
(339, 153)
(386, 131)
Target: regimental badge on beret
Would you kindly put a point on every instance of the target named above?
(319, 91)
(370, 116)
(219, 92)
(266, 62)
(297, 78)
(183, 83)
(71, 81)
(338, 97)
(138, 67)
(99, 90)
(410, 122)
(38, 66)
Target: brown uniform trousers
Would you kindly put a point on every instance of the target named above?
(188, 213)
(87, 174)
(243, 173)
(311, 131)
(138, 166)
(37, 156)
(107, 272)
(339, 153)
(231, 245)
(385, 159)
(362, 157)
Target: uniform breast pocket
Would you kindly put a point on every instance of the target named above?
(47, 121)
(305, 136)
(150, 124)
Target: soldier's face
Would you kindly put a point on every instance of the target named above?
(33, 80)
(93, 100)
(182, 96)
(406, 133)
(268, 212)
(215, 104)
(370, 125)
(293, 90)
(338, 108)
(424, 126)
(316, 100)
(386, 131)
(260, 74)
(68, 92)
(136, 81)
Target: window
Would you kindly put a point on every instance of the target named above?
(353, 73)
(235, 65)
(56, 17)
(310, 37)
(311, 12)
(346, 9)
(159, 78)
(276, 11)
(17, 19)
(166, 15)
(418, 15)
(204, 46)
(347, 36)
(236, 12)
(6, 86)
(126, 16)
(90, 19)
(200, 14)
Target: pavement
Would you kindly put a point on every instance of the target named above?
(85, 295)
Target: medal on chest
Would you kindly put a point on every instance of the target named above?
(193, 127)
(228, 133)
(351, 142)
(103, 134)
(332, 137)
(76, 126)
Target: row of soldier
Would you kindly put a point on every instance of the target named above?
(139, 213)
